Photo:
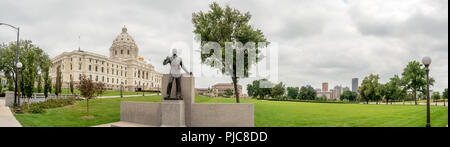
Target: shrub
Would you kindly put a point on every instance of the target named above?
(51, 103)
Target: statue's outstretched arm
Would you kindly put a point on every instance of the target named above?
(184, 68)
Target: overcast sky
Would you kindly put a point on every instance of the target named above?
(320, 40)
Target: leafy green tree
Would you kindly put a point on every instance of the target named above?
(393, 90)
(58, 81)
(223, 25)
(307, 93)
(278, 91)
(71, 85)
(251, 91)
(445, 94)
(10, 85)
(48, 87)
(414, 78)
(228, 92)
(1, 85)
(349, 95)
(29, 72)
(370, 88)
(293, 92)
(39, 83)
(260, 88)
(436, 96)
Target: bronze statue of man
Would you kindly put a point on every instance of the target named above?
(175, 73)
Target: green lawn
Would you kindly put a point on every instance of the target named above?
(267, 114)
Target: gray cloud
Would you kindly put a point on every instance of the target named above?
(320, 41)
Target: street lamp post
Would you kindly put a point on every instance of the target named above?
(19, 67)
(121, 89)
(16, 63)
(427, 61)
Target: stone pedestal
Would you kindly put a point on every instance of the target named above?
(173, 113)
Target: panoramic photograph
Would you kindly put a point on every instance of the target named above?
(224, 64)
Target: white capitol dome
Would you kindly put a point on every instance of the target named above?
(124, 46)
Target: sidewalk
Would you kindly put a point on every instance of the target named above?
(107, 97)
(7, 119)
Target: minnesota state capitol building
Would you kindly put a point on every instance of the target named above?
(124, 67)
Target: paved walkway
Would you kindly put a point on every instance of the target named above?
(108, 97)
(7, 119)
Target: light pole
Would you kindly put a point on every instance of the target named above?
(19, 68)
(17, 60)
(121, 89)
(427, 61)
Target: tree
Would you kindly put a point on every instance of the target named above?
(436, 97)
(278, 91)
(100, 88)
(87, 89)
(393, 90)
(71, 85)
(58, 82)
(39, 83)
(349, 95)
(228, 92)
(307, 93)
(293, 92)
(260, 88)
(10, 85)
(414, 78)
(370, 89)
(29, 72)
(222, 26)
(1, 86)
(445, 95)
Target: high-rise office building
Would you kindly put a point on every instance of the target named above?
(355, 85)
(325, 87)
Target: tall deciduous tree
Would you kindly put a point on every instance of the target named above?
(445, 95)
(293, 92)
(39, 83)
(223, 25)
(307, 93)
(58, 81)
(349, 95)
(370, 88)
(71, 85)
(278, 91)
(414, 78)
(260, 88)
(1, 85)
(393, 89)
(29, 72)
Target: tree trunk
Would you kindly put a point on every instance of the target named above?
(87, 107)
(236, 92)
(387, 101)
(367, 102)
(414, 96)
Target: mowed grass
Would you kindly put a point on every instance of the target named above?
(267, 114)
